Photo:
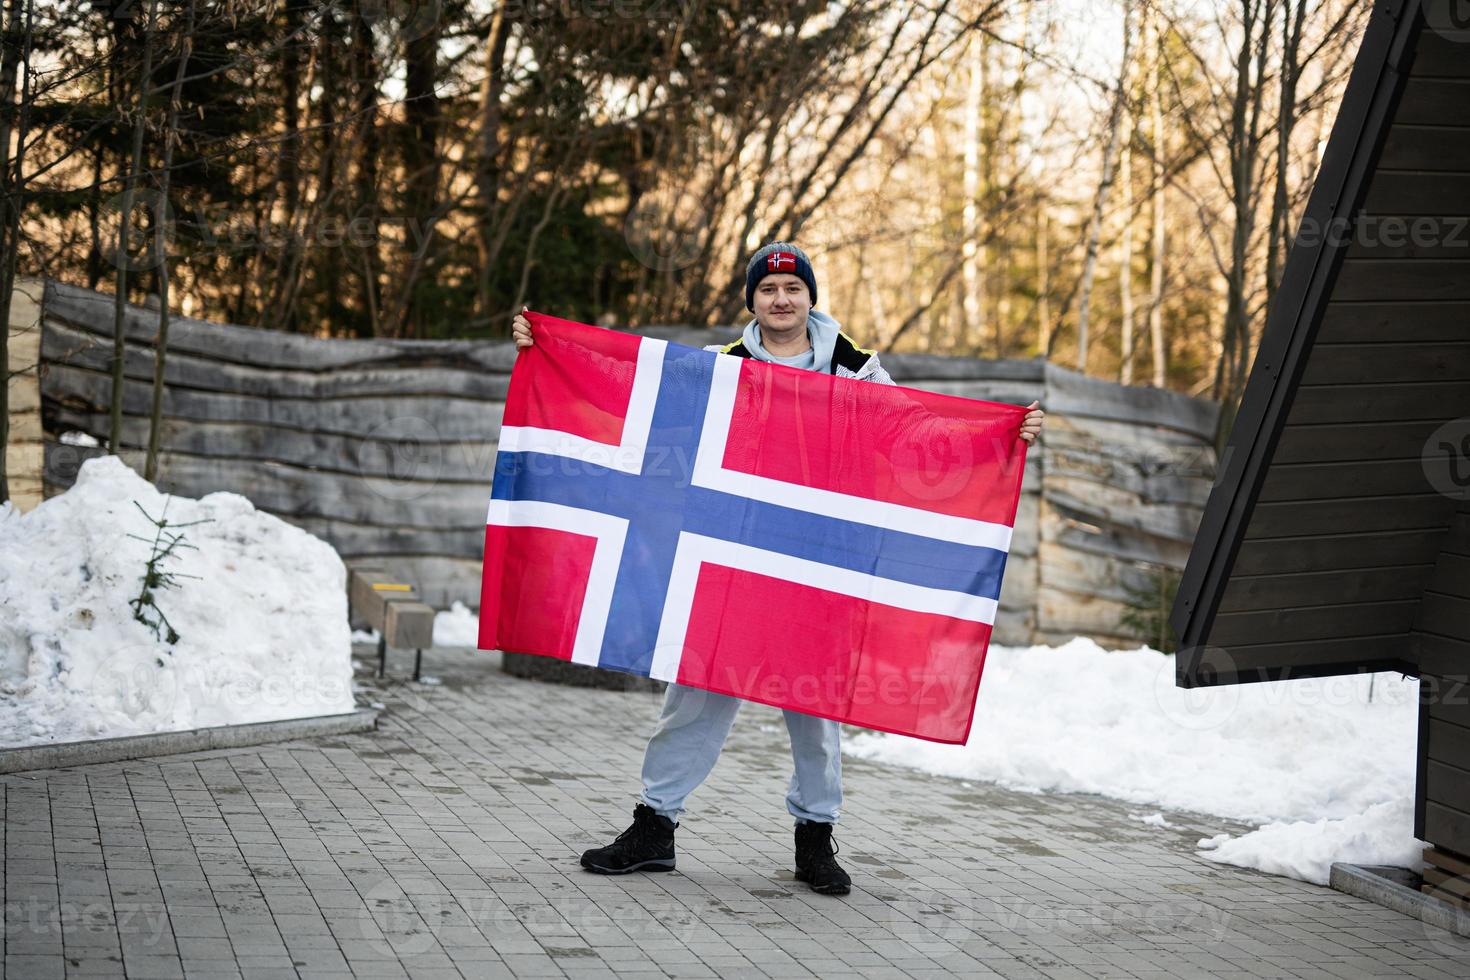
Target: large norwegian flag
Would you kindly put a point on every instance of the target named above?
(817, 543)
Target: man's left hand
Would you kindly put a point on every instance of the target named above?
(1031, 424)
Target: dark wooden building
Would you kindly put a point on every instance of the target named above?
(1337, 536)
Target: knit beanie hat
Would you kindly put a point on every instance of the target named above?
(778, 257)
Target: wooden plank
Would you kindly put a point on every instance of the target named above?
(916, 369)
(1073, 529)
(1451, 863)
(1008, 393)
(410, 374)
(1027, 531)
(1378, 364)
(295, 491)
(1446, 827)
(1245, 593)
(409, 624)
(1449, 743)
(1070, 393)
(439, 419)
(26, 426)
(1298, 518)
(1306, 658)
(1458, 539)
(1451, 700)
(24, 394)
(1313, 622)
(1453, 884)
(1452, 577)
(1448, 897)
(1426, 148)
(1380, 402)
(1145, 482)
(1129, 438)
(1444, 615)
(24, 350)
(26, 495)
(1434, 102)
(1071, 614)
(369, 592)
(92, 312)
(396, 451)
(1103, 576)
(1100, 503)
(1358, 478)
(1018, 588)
(441, 580)
(1414, 192)
(1337, 552)
(1393, 322)
(1441, 657)
(349, 537)
(1403, 279)
(25, 459)
(1438, 50)
(1351, 441)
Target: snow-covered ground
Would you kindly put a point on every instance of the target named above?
(1327, 774)
(262, 630)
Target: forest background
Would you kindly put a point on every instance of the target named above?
(1111, 184)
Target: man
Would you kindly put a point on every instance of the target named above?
(781, 291)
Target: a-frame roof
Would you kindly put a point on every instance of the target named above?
(1324, 525)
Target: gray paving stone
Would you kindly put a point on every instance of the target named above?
(445, 844)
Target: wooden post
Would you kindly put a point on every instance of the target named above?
(24, 456)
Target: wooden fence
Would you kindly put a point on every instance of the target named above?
(386, 448)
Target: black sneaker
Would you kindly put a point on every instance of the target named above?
(648, 845)
(816, 861)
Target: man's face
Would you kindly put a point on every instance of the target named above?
(781, 301)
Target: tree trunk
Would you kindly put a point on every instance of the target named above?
(1094, 231)
(1157, 184)
(421, 166)
(1043, 282)
(120, 256)
(1280, 227)
(160, 349)
(972, 325)
(487, 169)
(1125, 268)
(365, 178)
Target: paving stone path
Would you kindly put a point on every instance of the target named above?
(445, 845)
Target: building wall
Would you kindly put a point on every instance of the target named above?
(1346, 531)
(1442, 639)
(386, 449)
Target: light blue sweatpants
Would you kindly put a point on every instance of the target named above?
(691, 732)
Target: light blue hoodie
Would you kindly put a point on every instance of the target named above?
(821, 330)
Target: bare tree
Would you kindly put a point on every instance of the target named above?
(1105, 184)
(121, 256)
(162, 231)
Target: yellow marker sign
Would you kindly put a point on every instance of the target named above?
(391, 587)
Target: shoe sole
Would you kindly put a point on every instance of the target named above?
(839, 890)
(655, 865)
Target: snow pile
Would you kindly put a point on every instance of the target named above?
(459, 626)
(1329, 774)
(263, 629)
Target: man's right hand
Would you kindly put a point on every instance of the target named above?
(520, 329)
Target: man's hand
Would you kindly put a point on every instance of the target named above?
(520, 329)
(1031, 424)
